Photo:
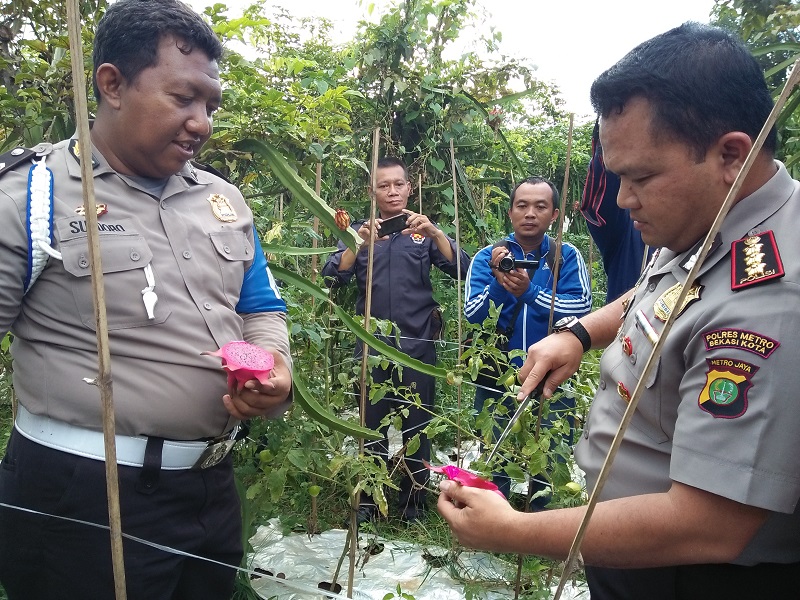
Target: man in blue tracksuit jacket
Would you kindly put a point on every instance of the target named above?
(526, 295)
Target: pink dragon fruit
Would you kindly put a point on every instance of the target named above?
(244, 361)
(464, 477)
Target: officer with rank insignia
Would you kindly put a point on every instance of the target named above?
(702, 498)
(184, 273)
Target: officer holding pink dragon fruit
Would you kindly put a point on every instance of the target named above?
(184, 273)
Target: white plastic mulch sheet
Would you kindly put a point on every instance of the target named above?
(382, 566)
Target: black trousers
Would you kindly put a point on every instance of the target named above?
(696, 582)
(49, 558)
(411, 496)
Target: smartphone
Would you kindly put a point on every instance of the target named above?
(393, 225)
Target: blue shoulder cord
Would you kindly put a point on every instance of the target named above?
(39, 220)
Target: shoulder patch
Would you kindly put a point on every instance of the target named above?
(740, 338)
(12, 158)
(755, 259)
(724, 395)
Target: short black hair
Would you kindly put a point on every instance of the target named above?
(393, 161)
(533, 181)
(129, 33)
(701, 82)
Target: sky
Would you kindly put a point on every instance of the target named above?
(569, 41)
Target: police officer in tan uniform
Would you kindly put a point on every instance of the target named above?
(184, 273)
(701, 501)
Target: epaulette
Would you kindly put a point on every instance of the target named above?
(14, 157)
(755, 259)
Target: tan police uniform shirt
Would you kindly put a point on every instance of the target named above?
(721, 410)
(162, 385)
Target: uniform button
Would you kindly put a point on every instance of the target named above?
(163, 204)
(135, 255)
(83, 262)
(652, 286)
(187, 254)
(632, 358)
(602, 384)
(207, 305)
(226, 249)
(586, 433)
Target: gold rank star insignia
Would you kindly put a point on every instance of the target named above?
(666, 302)
(755, 259)
(100, 209)
(221, 208)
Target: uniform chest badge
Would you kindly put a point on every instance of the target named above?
(666, 302)
(100, 209)
(755, 259)
(221, 208)
(417, 238)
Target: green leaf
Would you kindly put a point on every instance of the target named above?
(276, 481)
(299, 189)
(298, 457)
(382, 347)
(437, 163)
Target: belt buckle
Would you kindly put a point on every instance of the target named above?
(216, 450)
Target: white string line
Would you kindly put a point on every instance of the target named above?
(300, 587)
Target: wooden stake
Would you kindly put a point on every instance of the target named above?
(103, 381)
(458, 296)
(560, 235)
(419, 191)
(376, 139)
(791, 82)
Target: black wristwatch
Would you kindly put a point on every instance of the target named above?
(573, 325)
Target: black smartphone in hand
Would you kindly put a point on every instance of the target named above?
(393, 225)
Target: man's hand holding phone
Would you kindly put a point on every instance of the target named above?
(392, 225)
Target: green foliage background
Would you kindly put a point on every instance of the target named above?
(316, 103)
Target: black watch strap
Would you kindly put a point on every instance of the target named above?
(580, 332)
(573, 325)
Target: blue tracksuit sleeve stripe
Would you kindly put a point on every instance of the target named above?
(259, 291)
(573, 292)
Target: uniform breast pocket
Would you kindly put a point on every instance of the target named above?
(124, 256)
(634, 357)
(233, 251)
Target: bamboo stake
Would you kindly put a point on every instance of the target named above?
(103, 380)
(791, 82)
(559, 237)
(556, 271)
(419, 190)
(376, 139)
(458, 280)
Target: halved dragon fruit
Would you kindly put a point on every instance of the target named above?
(244, 361)
(464, 477)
